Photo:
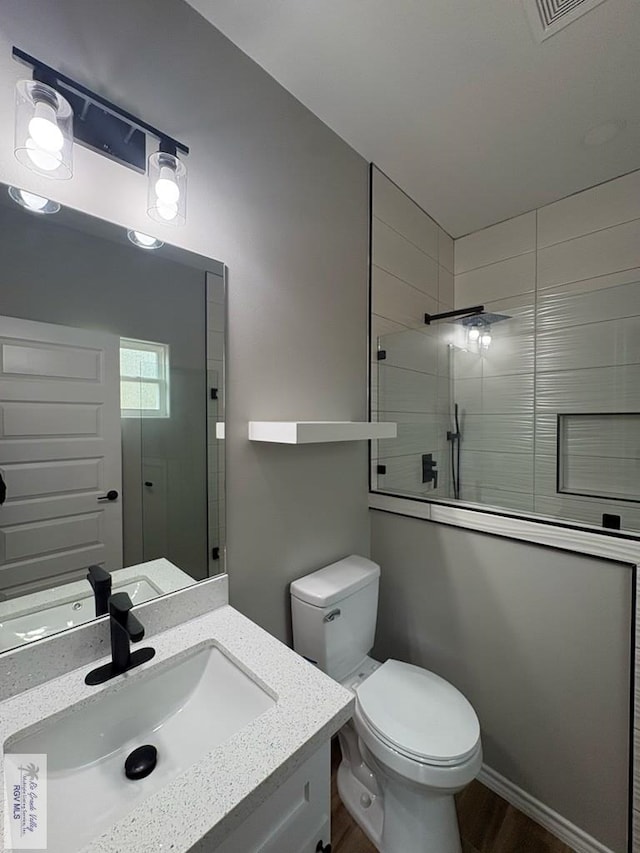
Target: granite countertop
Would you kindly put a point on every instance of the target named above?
(219, 791)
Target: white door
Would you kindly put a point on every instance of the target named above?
(59, 452)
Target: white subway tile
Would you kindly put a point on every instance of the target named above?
(508, 354)
(398, 301)
(600, 207)
(601, 282)
(604, 477)
(519, 309)
(505, 240)
(381, 326)
(600, 389)
(417, 433)
(496, 281)
(445, 289)
(396, 255)
(562, 310)
(412, 350)
(508, 395)
(446, 250)
(598, 344)
(393, 206)
(404, 474)
(605, 435)
(596, 254)
(511, 472)
(508, 433)
(402, 390)
(466, 365)
(468, 395)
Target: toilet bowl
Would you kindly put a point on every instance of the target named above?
(414, 740)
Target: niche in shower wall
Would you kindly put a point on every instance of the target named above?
(598, 455)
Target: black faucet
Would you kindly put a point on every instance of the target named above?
(125, 629)
(100, 581)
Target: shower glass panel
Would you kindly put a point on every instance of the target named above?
(413, 389)
(547, 409)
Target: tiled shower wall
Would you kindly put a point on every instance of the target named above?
(569, 276)
(412, 274)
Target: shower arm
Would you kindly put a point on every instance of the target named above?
(460, 312)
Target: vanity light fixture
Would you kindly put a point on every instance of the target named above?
(144, 241)
(34, 203)
(52, 111)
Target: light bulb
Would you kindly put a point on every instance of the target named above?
(167, 211)
(485, 340)
(44, 160)
(43, 128)
(144, 241)
(167, 189)
(33, 201)
(474, 334)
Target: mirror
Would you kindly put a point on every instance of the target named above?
(111, 418)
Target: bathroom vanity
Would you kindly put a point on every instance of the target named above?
(241, 725)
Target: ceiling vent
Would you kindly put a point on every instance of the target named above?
(549, 16)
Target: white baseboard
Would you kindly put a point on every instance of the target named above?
(557, 825)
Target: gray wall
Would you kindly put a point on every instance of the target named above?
(279, 198)
(56, 274)
(538, 640)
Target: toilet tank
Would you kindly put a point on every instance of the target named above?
(334, 614)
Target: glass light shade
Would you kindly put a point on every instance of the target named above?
(485, 340)
(167, 189)
(31, 201)
(43, 130)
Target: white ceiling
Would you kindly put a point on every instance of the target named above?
(456, 100)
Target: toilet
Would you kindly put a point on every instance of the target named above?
(414, 740)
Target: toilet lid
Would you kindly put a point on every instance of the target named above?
(418, 713)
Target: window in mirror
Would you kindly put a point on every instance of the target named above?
(144, 379)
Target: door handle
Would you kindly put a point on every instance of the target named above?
(3, 490)
(111, 495)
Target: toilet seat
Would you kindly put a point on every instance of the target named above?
(418, 715)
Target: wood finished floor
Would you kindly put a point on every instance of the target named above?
(488, 824)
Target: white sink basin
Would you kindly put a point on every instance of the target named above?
(33, 623)
(36, 615)
(185, 708)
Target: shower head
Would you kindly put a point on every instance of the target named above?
(475, 316)
(480, 320)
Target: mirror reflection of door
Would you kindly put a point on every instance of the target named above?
(60, 452)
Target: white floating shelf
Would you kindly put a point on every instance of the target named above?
(315, 432)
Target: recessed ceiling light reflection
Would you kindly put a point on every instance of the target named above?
(144, 241)
(34, 203)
